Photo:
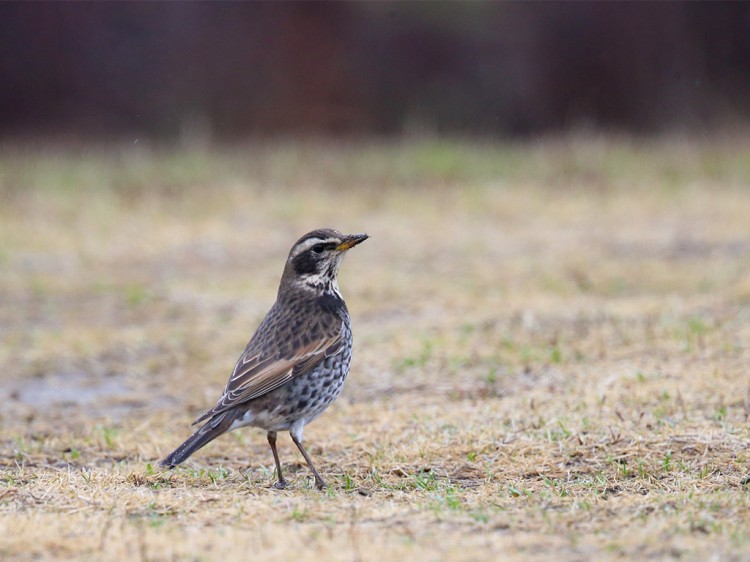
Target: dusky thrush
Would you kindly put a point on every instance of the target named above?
(296, 363)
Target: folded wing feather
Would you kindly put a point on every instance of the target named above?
(254, 376)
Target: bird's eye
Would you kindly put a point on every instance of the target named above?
(318, 248)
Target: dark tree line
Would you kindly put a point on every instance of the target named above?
(237, 69)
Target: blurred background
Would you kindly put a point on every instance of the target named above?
(204, 71)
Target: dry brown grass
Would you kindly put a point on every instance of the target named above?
(551, 362)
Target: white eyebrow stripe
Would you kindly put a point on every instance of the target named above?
(309, 243)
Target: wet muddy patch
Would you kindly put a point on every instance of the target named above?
(114, 396)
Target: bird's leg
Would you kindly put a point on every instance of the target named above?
(296, 433)
(281, 484)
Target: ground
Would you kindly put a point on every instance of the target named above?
(552, 341)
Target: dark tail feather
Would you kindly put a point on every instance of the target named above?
(207, 433)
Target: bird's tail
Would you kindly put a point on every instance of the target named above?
(207, 433)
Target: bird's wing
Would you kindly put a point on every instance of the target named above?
(258, 372)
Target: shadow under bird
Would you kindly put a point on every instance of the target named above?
(296, 363)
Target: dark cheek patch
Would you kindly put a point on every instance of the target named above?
(304, 264)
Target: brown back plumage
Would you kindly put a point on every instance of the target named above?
(296, 335)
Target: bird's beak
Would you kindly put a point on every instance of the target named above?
(351, 241)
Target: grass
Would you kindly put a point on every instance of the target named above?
(552, 341)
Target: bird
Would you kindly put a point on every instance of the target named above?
(295, 364)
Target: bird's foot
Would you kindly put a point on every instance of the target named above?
(280, 485)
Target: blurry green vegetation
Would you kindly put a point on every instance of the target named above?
(583, 161)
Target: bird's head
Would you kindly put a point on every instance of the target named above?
(314, 260)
